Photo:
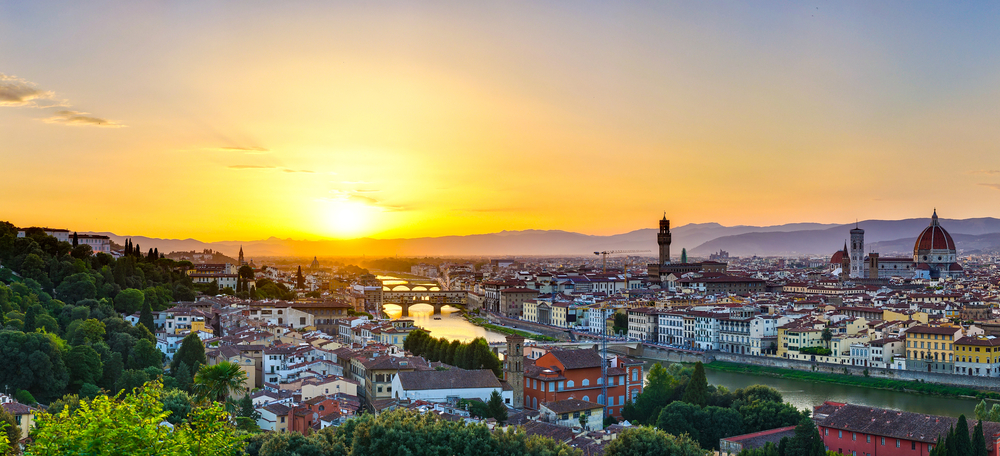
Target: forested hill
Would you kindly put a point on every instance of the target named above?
(60, 313)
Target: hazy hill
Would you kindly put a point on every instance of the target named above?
(700, 239)
(829, 240)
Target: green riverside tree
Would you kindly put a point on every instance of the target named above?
(696, 392)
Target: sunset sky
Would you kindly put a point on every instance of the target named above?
(313, 120)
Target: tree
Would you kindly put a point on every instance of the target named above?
(620, 325)
(764, 415)
(146, 317)
(807, 441)
(696, 391)
(583, 420)
(647, 441)
(962, 442)
(978, 440)
(84, 365)
(684, 255)
(178, 403)
(10, 430)
(496, 407)
(129, 301)
(131, 426)
(827, 336)
(661, 388)
(757, 393)
(191, 353)
(217, 382)
(144, 354)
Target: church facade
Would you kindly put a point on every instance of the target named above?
(934, 257)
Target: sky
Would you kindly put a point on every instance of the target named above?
(333, 120)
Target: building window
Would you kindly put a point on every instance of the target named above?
(840, 434)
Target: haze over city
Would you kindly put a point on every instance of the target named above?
(226, 120)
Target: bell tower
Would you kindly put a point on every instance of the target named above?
(513, 368)
(663, 239)
(857, 252)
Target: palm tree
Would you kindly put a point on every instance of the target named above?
(219, 381)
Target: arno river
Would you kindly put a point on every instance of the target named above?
(802, 394)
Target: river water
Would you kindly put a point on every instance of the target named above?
(800, 393)
(805, 394)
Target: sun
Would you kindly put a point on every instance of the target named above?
(348, 219)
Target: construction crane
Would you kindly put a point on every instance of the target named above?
(604, 256)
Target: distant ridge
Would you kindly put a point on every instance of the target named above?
(700, 239)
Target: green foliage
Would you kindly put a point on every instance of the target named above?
(761, 416)
(146, 317)
(219, 381)
(190, 353)
(978, 440)
(84, 364)
(661, 389)
(647, 441)
(706, 425)
(107, 426)
(855, 380)
(33, 362)
(696, 391)
(819, 351)
(144, 354)
(10, 431)
(475, 354)
(178, 403)
(620, 325)
(69, 402)
(807, 441)
(496, 407)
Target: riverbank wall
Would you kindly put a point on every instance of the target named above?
(544, 330)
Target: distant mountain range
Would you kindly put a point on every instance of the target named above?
(700, 239)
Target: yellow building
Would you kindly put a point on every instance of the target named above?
(931, 348)
(791, 340)
(977, 356)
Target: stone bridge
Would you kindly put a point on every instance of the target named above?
(434, 298)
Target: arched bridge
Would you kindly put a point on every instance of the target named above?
(436, 299)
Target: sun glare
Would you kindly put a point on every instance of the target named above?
(348, 219)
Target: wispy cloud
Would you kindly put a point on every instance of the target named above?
(18, 92)
(245, 150)
(993, 186)
(80, 119)
(355, 197)
(250, 167)
(15, 91)
(279, 168)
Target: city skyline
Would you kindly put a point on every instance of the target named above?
(233, 121)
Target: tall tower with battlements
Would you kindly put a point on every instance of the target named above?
(663, 239)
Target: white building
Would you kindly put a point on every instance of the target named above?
(448, 385)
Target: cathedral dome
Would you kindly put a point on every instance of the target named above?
(934, 237)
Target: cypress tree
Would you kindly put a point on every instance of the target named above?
(137, 251)
(978, 440)
(76, 241)
(696, 392)
(146, 317)
(29, 319)
(963, 444)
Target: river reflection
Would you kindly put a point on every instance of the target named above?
(451, 326)
(805, 394)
